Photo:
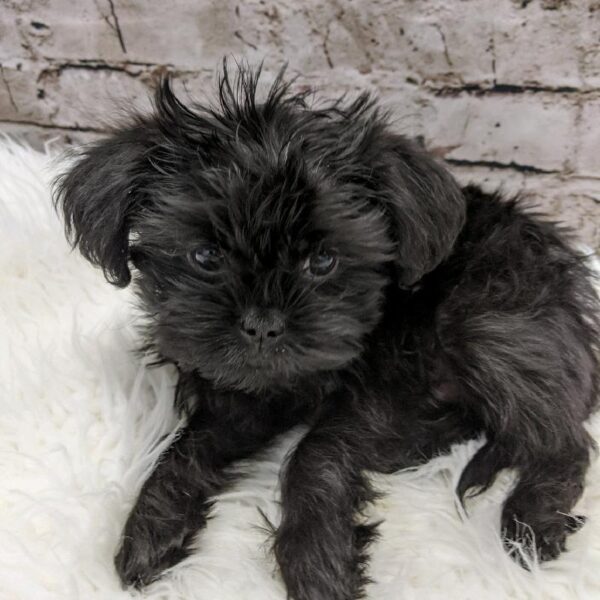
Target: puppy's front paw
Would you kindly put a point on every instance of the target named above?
(316, 568)
(142, 558)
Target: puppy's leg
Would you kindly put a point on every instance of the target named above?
(532, 384)
(538, 510)
(320, 545)
(171, 507)
(175, 501)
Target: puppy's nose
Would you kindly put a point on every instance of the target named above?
(260, 327)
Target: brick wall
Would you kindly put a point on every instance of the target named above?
(507, 91)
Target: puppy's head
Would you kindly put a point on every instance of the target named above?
(263, 234)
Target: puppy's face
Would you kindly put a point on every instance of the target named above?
(264, 234)
(260, 268)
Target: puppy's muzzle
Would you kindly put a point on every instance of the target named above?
(262, 328)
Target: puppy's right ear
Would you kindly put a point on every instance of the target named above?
(99, 195)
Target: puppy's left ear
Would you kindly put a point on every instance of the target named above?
(426, 207)
(98, 197)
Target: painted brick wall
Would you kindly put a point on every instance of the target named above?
(507, 91)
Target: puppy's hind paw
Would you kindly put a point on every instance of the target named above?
(542, 540)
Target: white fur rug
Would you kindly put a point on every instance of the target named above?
(81, 423)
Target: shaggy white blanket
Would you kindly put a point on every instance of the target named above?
(82, 421)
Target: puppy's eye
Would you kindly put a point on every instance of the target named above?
(320, 264)
(208, 256)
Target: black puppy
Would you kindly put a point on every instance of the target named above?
(306, 265)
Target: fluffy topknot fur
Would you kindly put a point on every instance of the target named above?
(304, 263)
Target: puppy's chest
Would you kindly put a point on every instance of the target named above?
(405, 353)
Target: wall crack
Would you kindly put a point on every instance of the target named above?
(54, 126)
(446, 53)
(8, 90)
(505, 88)
(131, 69)
(461, 162)
(114, 25)
(239, 36)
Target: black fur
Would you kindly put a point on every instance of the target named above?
(445, 312)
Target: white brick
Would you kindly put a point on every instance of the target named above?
(528, 129)
(538, 47)
(72, 97)
(588, 134)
